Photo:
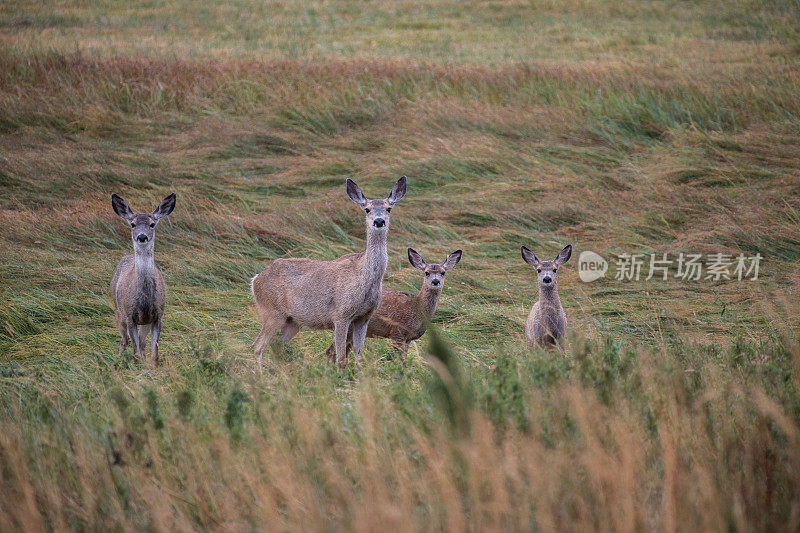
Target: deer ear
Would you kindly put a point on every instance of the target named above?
(564, 255)
(121, 207)
(530, 258)
(355, 194)
(165, 208)
(416, 260)
(452, 260)
(398, 191)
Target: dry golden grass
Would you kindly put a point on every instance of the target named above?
(728, 457)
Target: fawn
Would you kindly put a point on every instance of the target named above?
(402, 317)
(547, 323)
(342, 294)
(137, 287)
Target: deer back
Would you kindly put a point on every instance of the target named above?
(399, 316)
(315, 293)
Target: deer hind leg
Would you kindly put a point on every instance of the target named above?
(270, 324)
(123, 332)
(155, 332)
(133, 333)
(340, 332)
(144, 331)
(330, 353)
(359, 328)
(124, 340)
(402, 348)
(123, 329)
(267, 330)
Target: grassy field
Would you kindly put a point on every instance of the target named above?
(617, 126)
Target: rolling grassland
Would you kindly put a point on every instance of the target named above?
(621, 127)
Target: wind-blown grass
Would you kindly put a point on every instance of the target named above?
(605, 437)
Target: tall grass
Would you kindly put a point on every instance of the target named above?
(607, 437)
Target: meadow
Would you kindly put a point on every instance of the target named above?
(617, 126)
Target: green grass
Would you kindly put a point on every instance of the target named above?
(620, 127)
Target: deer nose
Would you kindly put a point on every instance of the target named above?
(547, 279)
(379, 222)
(142, 237)
(435, 282)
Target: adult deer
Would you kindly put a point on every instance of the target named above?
(341, 295)
(137, 287)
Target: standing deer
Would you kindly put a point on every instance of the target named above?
(137, 287)
(341, 295)
(547, 323)
(402, 317)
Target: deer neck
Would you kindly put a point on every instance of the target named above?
(145, 262)
(428, 300)
(376, 257)
(549, 295)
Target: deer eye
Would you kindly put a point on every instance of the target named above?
(427, 273)
(538, 270)
(133, 224)
(388, 209)
(152, 224)
(366, 210)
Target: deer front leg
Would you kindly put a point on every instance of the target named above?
(359, 335)
(340, 330)
(155, 331)
(133, 333)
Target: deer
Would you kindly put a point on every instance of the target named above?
(547, 323)
(295, 293)
(137, 286)
(402, 317)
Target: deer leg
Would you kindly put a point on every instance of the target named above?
(340, 331)
(270, 320)
(155, 331)
(267, 329)
(559, 344)
(402, 348)
(133, 333)
(359, 335)
(144, 330)
(123, 331)
(330, 353)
